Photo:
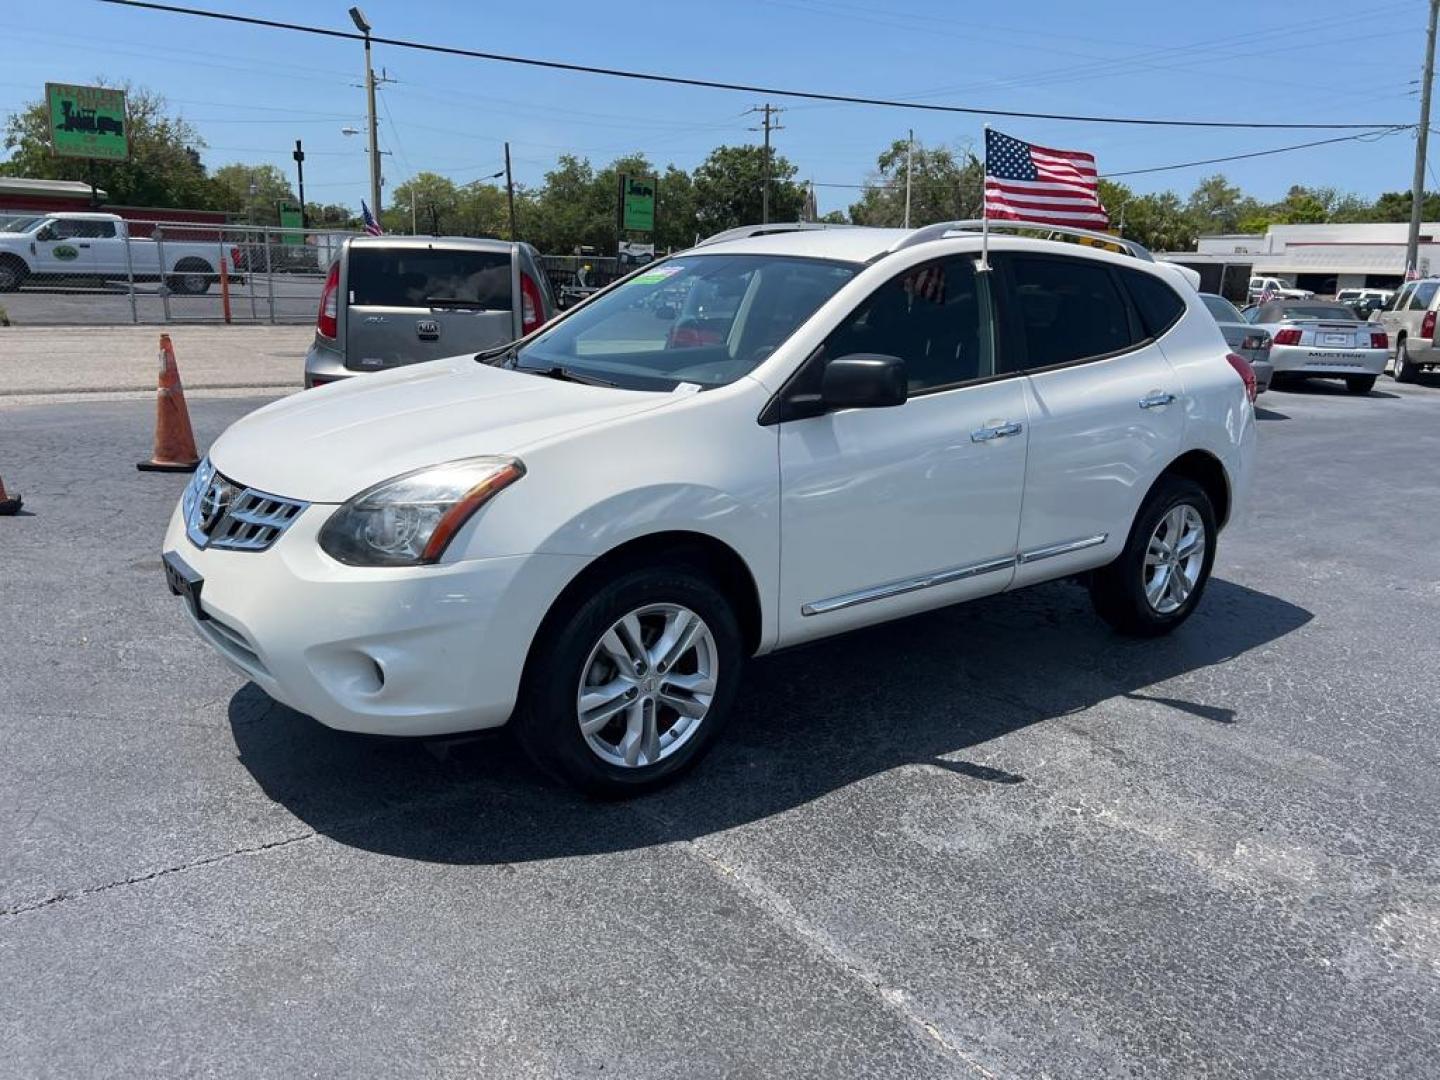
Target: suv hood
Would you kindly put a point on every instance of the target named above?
(327, 444)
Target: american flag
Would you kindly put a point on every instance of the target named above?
(1267, 295)
(1024, 182)
(372, 227)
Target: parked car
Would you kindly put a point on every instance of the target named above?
(1279, 288)
(1409, 321)
(1248, 341)
(98, 247)
(588, 532)
(395, 300)
(1322, 338)
(1364, 301)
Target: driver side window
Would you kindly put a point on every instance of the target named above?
(935, 317)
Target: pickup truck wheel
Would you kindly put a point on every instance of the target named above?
(1360, 384)
(628, 687)
(13, 273)
(192, 277)
(1404, 371)
(1158, 579)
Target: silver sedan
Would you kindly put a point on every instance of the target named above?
(1322, 338)
(1244, 340)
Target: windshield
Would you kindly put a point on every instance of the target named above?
(1221, 309)
(16, 223)
(702, 319)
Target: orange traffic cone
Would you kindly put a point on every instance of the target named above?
(174, 440)
(9, 504)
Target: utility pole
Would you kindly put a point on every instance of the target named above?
(363, 25)
(299, 156)
(510, 193)
(1417, 189)
(769, 125)
(909, 168)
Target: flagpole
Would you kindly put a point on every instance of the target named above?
(984, 217)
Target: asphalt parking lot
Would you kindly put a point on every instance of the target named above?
(995, 841)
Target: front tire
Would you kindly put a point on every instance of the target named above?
(1158, 579)
(1404, 371)
(1360, 384)
(13, 273)
(629, 686)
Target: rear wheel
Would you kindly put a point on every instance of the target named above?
(191, 277)
(1404, 371)
(628, 687)
(1158, 579)
(1360, 384)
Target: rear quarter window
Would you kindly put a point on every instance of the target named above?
(1159, 306)
(425, 277)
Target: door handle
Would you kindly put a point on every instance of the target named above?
(84, 245)
(999, 431)
(1154, 401)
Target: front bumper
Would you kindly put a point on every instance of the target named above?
(1311, 360)
(426, 650)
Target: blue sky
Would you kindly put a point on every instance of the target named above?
(252, 92)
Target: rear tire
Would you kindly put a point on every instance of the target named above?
(632, 738)
(191, 277)
(1158, 579)
(1404, 371)
(1360, 384)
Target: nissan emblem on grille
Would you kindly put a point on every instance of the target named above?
(222, 514)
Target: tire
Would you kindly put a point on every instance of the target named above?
(1404, 371)
(13, 273)
(1360, 384)
(1119, 590)
(191, 277)
(571, 651)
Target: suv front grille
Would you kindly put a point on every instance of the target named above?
(220, 513)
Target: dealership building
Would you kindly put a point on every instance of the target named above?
(1322, 258)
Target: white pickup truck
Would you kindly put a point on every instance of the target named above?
(93, 246)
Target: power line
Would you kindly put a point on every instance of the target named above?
(747, 88)
(1364, 136)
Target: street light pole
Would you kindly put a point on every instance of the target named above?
(1417, 189)
(363, 25)
(299, 157)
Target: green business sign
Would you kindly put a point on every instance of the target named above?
(637, 204)
(88, 121)
(291, 218)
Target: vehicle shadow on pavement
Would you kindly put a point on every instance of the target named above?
(921, 691)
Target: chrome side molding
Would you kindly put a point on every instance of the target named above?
(1066, 548)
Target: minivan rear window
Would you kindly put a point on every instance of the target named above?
(424, 277)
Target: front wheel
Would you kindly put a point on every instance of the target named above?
(627, 688)
(1159, 577)
(1360, 384)
(12, 274)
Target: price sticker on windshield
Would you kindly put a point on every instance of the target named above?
(659, 274)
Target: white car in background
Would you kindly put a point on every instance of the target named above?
(1324, 339)
(587, 533)
(1278, 288)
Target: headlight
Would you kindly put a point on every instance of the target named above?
(411, 519)
(204, 472)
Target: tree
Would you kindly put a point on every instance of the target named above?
(330, 216)
(427, 202)
(727, 187)
(163, 168)
(1394, 206)
(1158, 221)
(1216, 205)
(252, 192)
(945, 185)
(675, 220)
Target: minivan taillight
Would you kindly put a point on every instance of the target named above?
(1287, 337)
(1246, 372)
(326, 319)
(1427, 325)
(532, 307)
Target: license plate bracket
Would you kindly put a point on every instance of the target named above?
(185, 582)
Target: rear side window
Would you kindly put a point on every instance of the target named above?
(423, 278)
(1159, 306)
(1424, 293)
(1069, 309)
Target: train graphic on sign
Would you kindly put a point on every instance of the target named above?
(85, 120)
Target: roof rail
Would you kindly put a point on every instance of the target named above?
(745, 231)
(942, 229)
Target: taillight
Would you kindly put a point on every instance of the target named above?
(326, 324)
(532, 308)
(1427, 325)
(1246, 372)
(1287, 337)
(235, 257)
(1381, 340)
(1256, 341)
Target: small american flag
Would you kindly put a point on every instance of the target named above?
(372, 227)
(1024, 182)
(1267, 295)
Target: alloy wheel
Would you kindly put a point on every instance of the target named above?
(647, 685)
(1174, 558)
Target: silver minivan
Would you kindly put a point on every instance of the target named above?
(393, 300)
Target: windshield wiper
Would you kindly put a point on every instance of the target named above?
(498, 355)
(564, 374)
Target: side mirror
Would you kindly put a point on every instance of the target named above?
(864, 381)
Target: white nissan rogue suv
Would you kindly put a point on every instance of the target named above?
(585, 534)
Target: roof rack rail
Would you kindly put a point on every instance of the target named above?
(942, 229)
(745, 231)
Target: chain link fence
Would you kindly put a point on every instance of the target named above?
(92, 270)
